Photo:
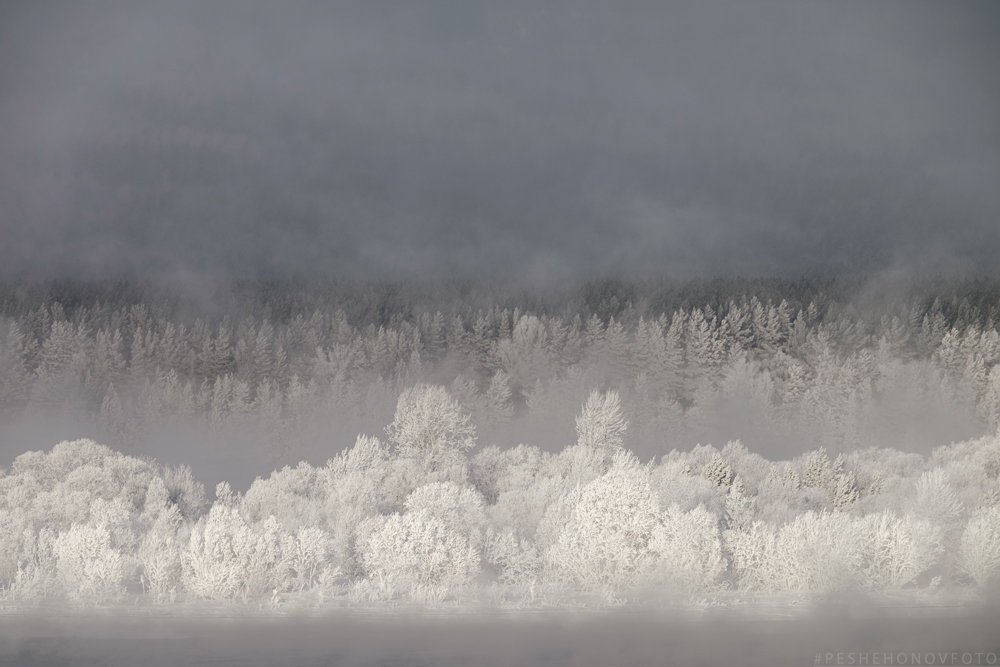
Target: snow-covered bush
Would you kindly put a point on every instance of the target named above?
(515, 560)
(688, 551)
(228, 558)
(898, 549)
(362, 481)
(935, 500)
(294, 496)
(307, 553)
(979, 552)
(417, 554)
(161, 560)
(434, 431)
(756, 561)
(460, 508)
(89, 566)
(601, 426)
(814, 553)
(605, 544)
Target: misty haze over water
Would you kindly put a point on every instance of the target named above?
(828, 636)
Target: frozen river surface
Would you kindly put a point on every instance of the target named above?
(836, 635)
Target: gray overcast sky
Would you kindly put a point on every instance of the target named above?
(539, 140)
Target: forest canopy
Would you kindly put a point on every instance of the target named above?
(618, 441)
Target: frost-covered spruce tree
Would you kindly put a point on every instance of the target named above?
(817, 469)
(718, 471)
(434, 431)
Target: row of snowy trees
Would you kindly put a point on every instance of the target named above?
(763, 369)
(427, 514)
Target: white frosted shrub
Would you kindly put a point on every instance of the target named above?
(898, 549)
(37, 572)
(514, 559)
(228, 558)
(417, 553)
(432, 429)
(814, 553)
(601, 426)
(979, 551)
(688, 550)
(821, 552)
(11, 546)
(753, 552)
(307, 552)
(294, 496)
(605, 545)
(935, 500)
(356, 481)
(161, 561)
(88, 565)
(459, 507)
(160, 553)
(538, 511)
(675, 484)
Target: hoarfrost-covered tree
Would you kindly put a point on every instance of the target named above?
(718, 471)
(688, 550)
(418, 554)
(814, 553)
(307, 553)
(898, 549)
(514, 559)
(817, 471)
(88, 564)
(498, 407)
(821, 552)
(228, 558)
(160, 558)
(460, 508)
(979, 551)
(753, 553)
(361, 481)
(605, 545)
(936, 501)
(844, 492)
(740, 507)
(432, 429)
(601, 426)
